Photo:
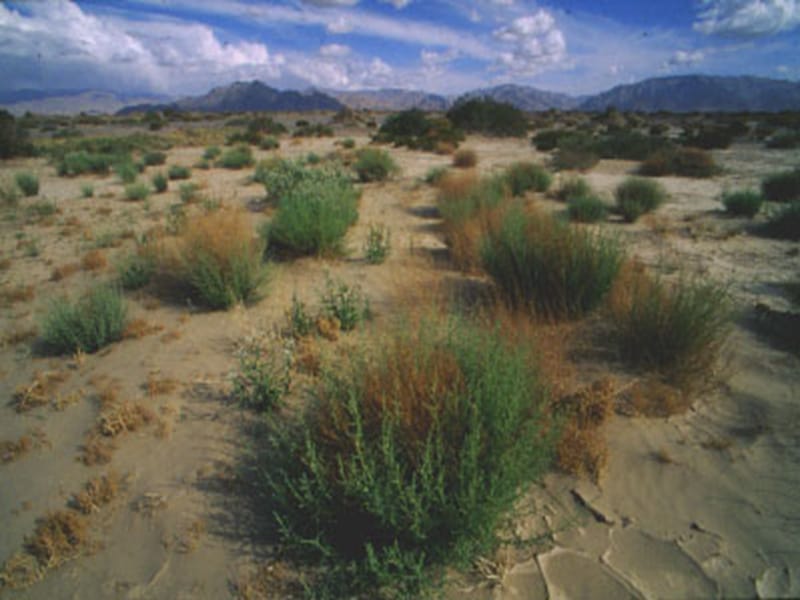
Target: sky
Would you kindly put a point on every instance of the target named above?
(185, 47)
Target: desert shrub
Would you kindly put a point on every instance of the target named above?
(306, 129)
(708, 138)
(348, 143)
(676, 328)
(573, 188)
(269, 143)
(577, 151)
(465, 158)
(785, 140)
(9, 193)
(636, 196)
(586, 209)
(236, 158)
(744, 203)
(413, 128)
(378, 244)
(264, 374)
(784, 222)
(92, 322)
(154, 158)
(548, 139)
(87, 190)
(136, 270)
(13, 137)
(81, 162)
(188, 192)
(547, 266)
(524, 176)
(211, 152)
(126, 171)
(782, 187)
(693, 162)
(137, 191)
(484, 115)
(409, 460)
(179, 172)
(301, 323)
(374, 164)
(27, 182)
(345, 303)
(435, 175)
(629, 145)
(159, 182)
(219, 259)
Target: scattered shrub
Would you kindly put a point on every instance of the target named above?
(586, 209)
(347, 304)
(414, 129)
(87, 190)
(465, 158)
(636, 196)
(270, 143)
(154, 158)
(544, 265)
(188, 192)
(548, 139)
(9, 193)
(573, 188)
(179, 172)
(687, 162)
(28, 183)
(628, 145)
(784, 222)
(782, 187)
(484, 115)
(126, 171)
(708, 138)
(374, 164)
(786, 140)
(81, 161)
(137, 191)
(524, 176)
(264, 374)
(410, 460)
(348, 143)
(211, 152)
(577, 151)
(378, 244)
(315, 130)
(744, 203)
(159, 182)
(301, 323)
(136, 270)
(13, 137)
(236, 158)
(94, 321)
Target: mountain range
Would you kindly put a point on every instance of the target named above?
(688, 93)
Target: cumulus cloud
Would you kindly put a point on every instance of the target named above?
(335, 50)
(434, 63)
(747, 18)
(534, 44)
(340, 24)
(683, 58)
(343, 73)
(398, 4)
(329, 3)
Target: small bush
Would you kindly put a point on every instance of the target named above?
(378, 244)
(264, 374)
(686, 162)
(743, 203)
(188, 192)
(236, 158)
(126, 171)
(573, 188)
(628, 145)
(154, 158)
(220, 260)
(636, 196)
(159, 182)
(410, 460)
(374, 164)
(784, 223)
(301, 323)
(28, 183)
(179, 172)
(9, 193)
(211, 152)
(524, 176)
(13, 137)
(782, 187)
(94, 321)
(347, 304)
(87, 190)
(586, 209)
(484, 115)
(548, 139)
(81, 162)
(708, 138)
(435, 175)
(315, 130)
(677, 329)
(137, 191)
(414, 129)
(549, 267)
(269, 143)
(348, 143)
(577, 151)
(136, 270)
(786, 140)
(465, 158)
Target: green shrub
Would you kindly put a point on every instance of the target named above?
(211, 153)
(435, 174)
(348, 143)
(408, 461)
(81, 161)
(41, 208)
(524, 176)
(785, 140)
(374, 164)
(28, 183)
(461, 197)
(577, 151)
(378, 244)
(636, 196)
(347, 304)
(628, 145)
(414, 129)
(484, 115)
(136, 270)
(94, 321)
(586, 209)
(179, 172)
(236, 158)
(270, 143)
(708, 138)
(782, 187)
(677, 328)
(744, 203)
(154, 158)
(301, 323)
(9, 193)
(126, 171)
(465, 158)
(549, 267)
(693, 162)
(784, 222)
(87, 190)
(13, 137)
(137, 191)
(548, 139)
(264, 374)
(573, 188)
(188, 192)
(159, 181)
(315, 130)
(312, 158)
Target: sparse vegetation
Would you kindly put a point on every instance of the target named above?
(159, 182)
(636, 196)
(465, 158)
(573, 188)
(782, 187)
(27, 182)
(784, 222)
(414, 129)
(81, 161)
(586, 209)
(136, 270)
(577, 151)
(743, 203)
(524, 176)
(484, 115)
(126, 171)
(345, 303)
(374, 164)
(13, 137)
(137, 191)
(87, 190)
(264, 374)
(687, 162)
(179, 172)
(378, 244)
(236, 158)
(154, 158)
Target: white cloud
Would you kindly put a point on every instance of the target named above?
(434, 63)
(398, 4)
(683, 58)
(335, 50)
(747, 18)
(339, 25)
(535, 43)
(329, 3)
(337, 72)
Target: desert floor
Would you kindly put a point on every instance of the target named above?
(701, 504)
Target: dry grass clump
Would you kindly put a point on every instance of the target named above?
(18, 334)
(653, 397)
(39, 392)
(19, 293)
(64, 271)
(138, 328)
(59, 536)
(158, 387)
(94, 260)
(12, 450)
(465, 158)
(97, 492)
(124, 417)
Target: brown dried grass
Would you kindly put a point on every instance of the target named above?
(139, 328)
(94, 260)
(465, 158)
(39, 392)
(64, 271)
(59, 536)
(97, 492)
(18, 293)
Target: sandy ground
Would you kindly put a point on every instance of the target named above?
(704, 504)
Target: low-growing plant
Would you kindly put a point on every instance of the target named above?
(785, 140)
(88, 324)
(137, 191)
(782, 187)
(126, 171)
(211, 152)
(136, 270)
(264, 374)
(87, 190)
(154, 158)
(544, 265)
(378, 244)
(524, 176)
(300, 321)
(784, 222)
(573, 188)
(374, 164)
(269, 143)
(82, 161)
(686, 162)
(9, 193)
(577, 151)
(636, 196)
(465, 158)
(416, 130)
(179, 172)
(27, 182)
(435, 174)
(346, 303)
(586, 209)
(312, 158)
(159, 182)
(236, 158)
(188, 192)
(348, 143)
(743, 203)
(410, 460)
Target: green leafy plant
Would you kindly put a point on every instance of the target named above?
(378, 244)
(301, 323)
(136, 270)
(9, 193)
(345, 303)
(348, 143)
(686, 162)
(269, 143)
(236, 158)
(586, 209)
(414, 129)
(484, 115)
(524, 176)
(154, 158)
(576, 151)
(465, 158)
(211, 152)
(82, 161)
(435, 174)
(28, 183)
(87, 190)
(179, 172)
(374, 164)
(573, 188)
(126, 171)
(264, 375)
(636, 196)
(744, 203)
(188, 192)
(137, 191)
(159, 182)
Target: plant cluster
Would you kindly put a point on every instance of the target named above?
(27, 182)
(586, 209)
(743, 203)
(414, 129)
(374, 164)
(236, 158)
(686, 162)
(13, 137)
(378, 244)
(636, 196)
(264, 372)
(782, 187)
(179, 172)
(345, 303)
(487, 116)
(524, 176)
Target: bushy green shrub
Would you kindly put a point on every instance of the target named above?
(126, 171)
(264, 375)
(348, 143)
(784, 222)
(13, 137)
(92, 322)
(137, 191)
(484, 115)
(236, 158)
(414, 129)
(9, 193)
(270, 143)
(28, 183)
(435, 174)
(573, 188)
(408, 460)
(549, 267)
(524, 176)
(461, 197)
(547, 139)
(636, 196)
(87, 190)
(628, 145)
(154, 158)
(313, 130)
(782, 187)
(211, 152)
(466, 158)
(687, 162)
(374, 164)
(586, 209)
(744, 203)
(708, 138)
(179, 172)
(188, 192)
(159, 181)
(136, 270)
(81, 161)
(345, 303)
(577, 151)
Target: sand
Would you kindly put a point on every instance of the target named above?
(703, 504)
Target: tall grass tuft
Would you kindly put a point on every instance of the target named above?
(236, 158)
(544, 265)
(524, 176)
(636, 196)
(92, 322)
(743, 203)
(409, 459)
(586, 209)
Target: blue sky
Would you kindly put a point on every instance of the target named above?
(179, 47)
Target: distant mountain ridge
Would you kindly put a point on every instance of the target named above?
(70, 102)
(524, 97)
(391, 99)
